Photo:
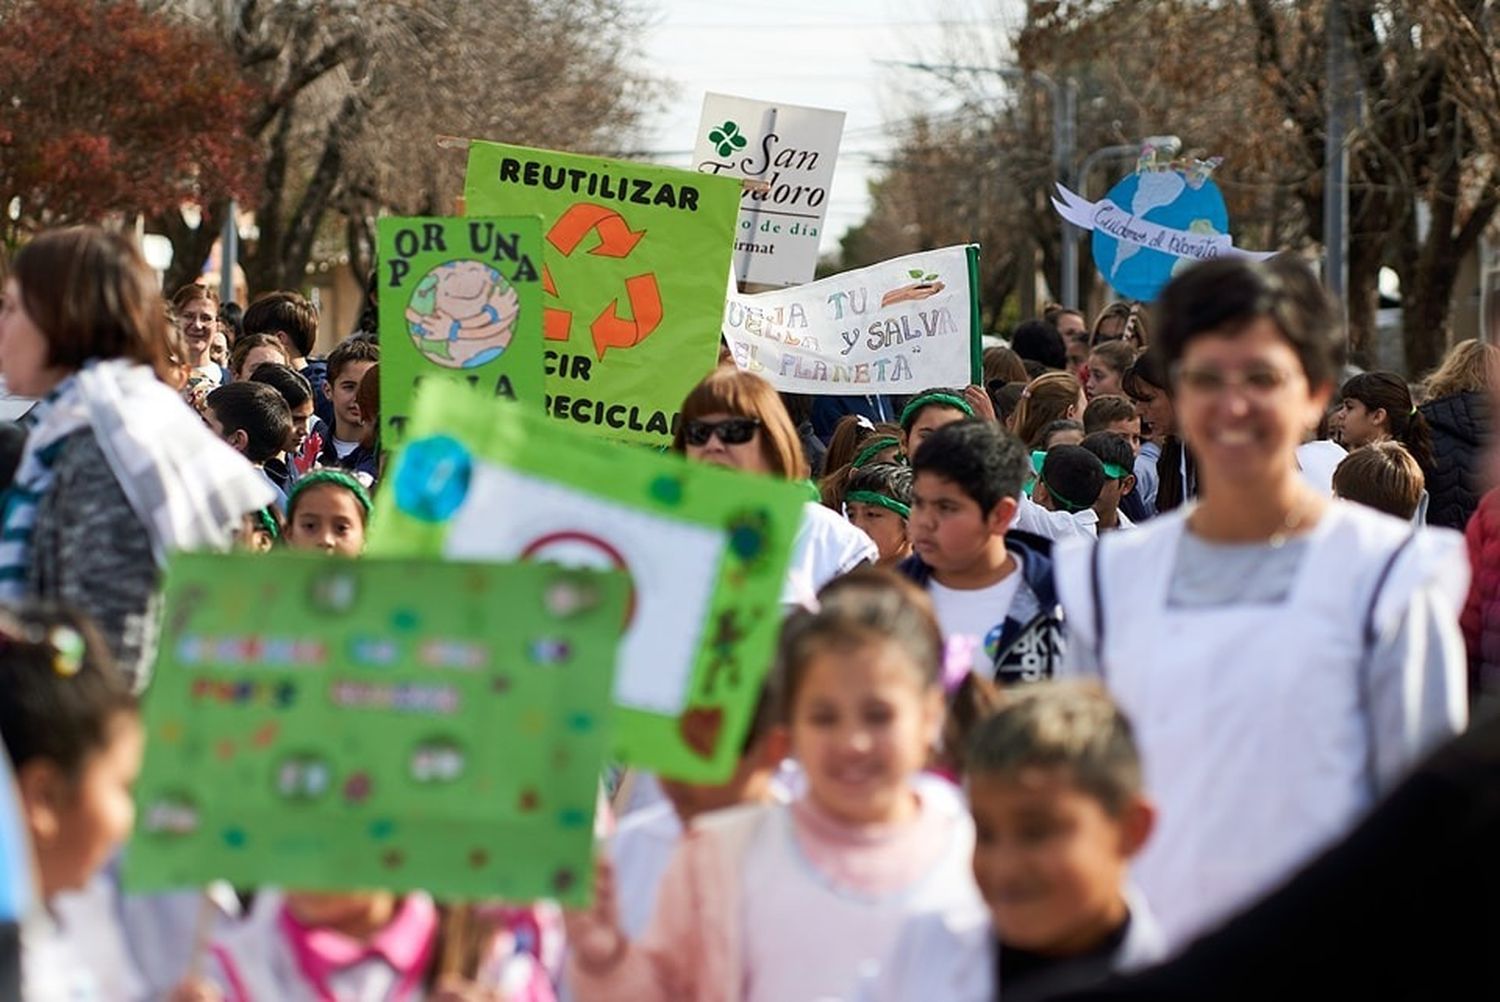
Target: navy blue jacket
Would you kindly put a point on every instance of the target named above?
(1030, 646)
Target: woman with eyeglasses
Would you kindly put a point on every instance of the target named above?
(1284, 657)
(736, 419)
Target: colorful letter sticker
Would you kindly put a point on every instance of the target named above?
(382, 737)
(705, 550)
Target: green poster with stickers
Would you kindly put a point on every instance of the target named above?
(706, 551)
(460, 304)
(408, 724)
(636, 265)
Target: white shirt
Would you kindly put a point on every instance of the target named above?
(342, 448)
(1033, 518)
(1316, 461)
(826, 546)
(976, 615)
(640, 850)
(1268, 720)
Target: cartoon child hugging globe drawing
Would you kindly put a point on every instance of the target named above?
(462, 314)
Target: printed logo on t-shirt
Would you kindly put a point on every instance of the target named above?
(1032, 653)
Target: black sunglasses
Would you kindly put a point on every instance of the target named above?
(731, 431)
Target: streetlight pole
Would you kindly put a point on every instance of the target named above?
(1340, 100)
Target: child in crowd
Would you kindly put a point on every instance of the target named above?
(1005, 400)
(1383, 476)
(776, 902)
(367, 399)
(260, 531)
(294, 388)
(988, 584)
(218, 348)
(1070, 480)
(1378, 407)
(75, 743)
(347, 365)
(1106, 368)
(1048, 398)
(1116, 458)
(254, 419)
(1118, 415)
(1064, 431)
(1054, 784)
(860, 446)
(1114, 413)
(292, 318)
(928, 411)
(253, 351)
(1165, 474)
(645, 839)
(328, 510)
(878, 500)
(367, 945)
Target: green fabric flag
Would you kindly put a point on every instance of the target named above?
(637, 266)
(322, 724)
(460, 302)
(706, 550)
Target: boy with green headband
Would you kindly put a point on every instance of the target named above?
(1118, 457)
(929, 410)
(878, 501)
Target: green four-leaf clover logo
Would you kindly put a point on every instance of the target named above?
(727, 138)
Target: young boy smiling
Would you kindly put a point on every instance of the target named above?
(990, 585)
(1054, 783)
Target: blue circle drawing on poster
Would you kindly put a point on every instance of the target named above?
(1166, 198)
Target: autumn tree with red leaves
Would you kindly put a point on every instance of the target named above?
(108, 111)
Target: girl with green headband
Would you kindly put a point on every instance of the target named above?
(853, 447)
(328, 510)
(929, 410)
(878, 501)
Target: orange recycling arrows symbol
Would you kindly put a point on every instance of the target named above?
(617, 240)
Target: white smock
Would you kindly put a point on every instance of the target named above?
(1268, 728)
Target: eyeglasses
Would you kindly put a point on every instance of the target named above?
(1260, 382)
(731, 431)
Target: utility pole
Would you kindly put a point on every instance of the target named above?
(1340, 110)
(229, 252)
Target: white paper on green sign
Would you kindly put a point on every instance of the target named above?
(672, 566)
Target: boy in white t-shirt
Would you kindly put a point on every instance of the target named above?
(990, 584)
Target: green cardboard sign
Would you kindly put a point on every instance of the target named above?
(460, 303)
(331, 725)
(706, 550)
(637, 264)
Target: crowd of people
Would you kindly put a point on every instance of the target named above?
(1130, 653)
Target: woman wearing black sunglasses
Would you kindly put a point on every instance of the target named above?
(736, 419)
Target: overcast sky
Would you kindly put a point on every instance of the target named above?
(839, 54)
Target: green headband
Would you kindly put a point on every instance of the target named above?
(268, 522)
(876, 447)
(1115, 472)
(870, 497)
(1071, 508)
(336, 477)
(941, 397)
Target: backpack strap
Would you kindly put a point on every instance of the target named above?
(1371, 638)
(1095, 575)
